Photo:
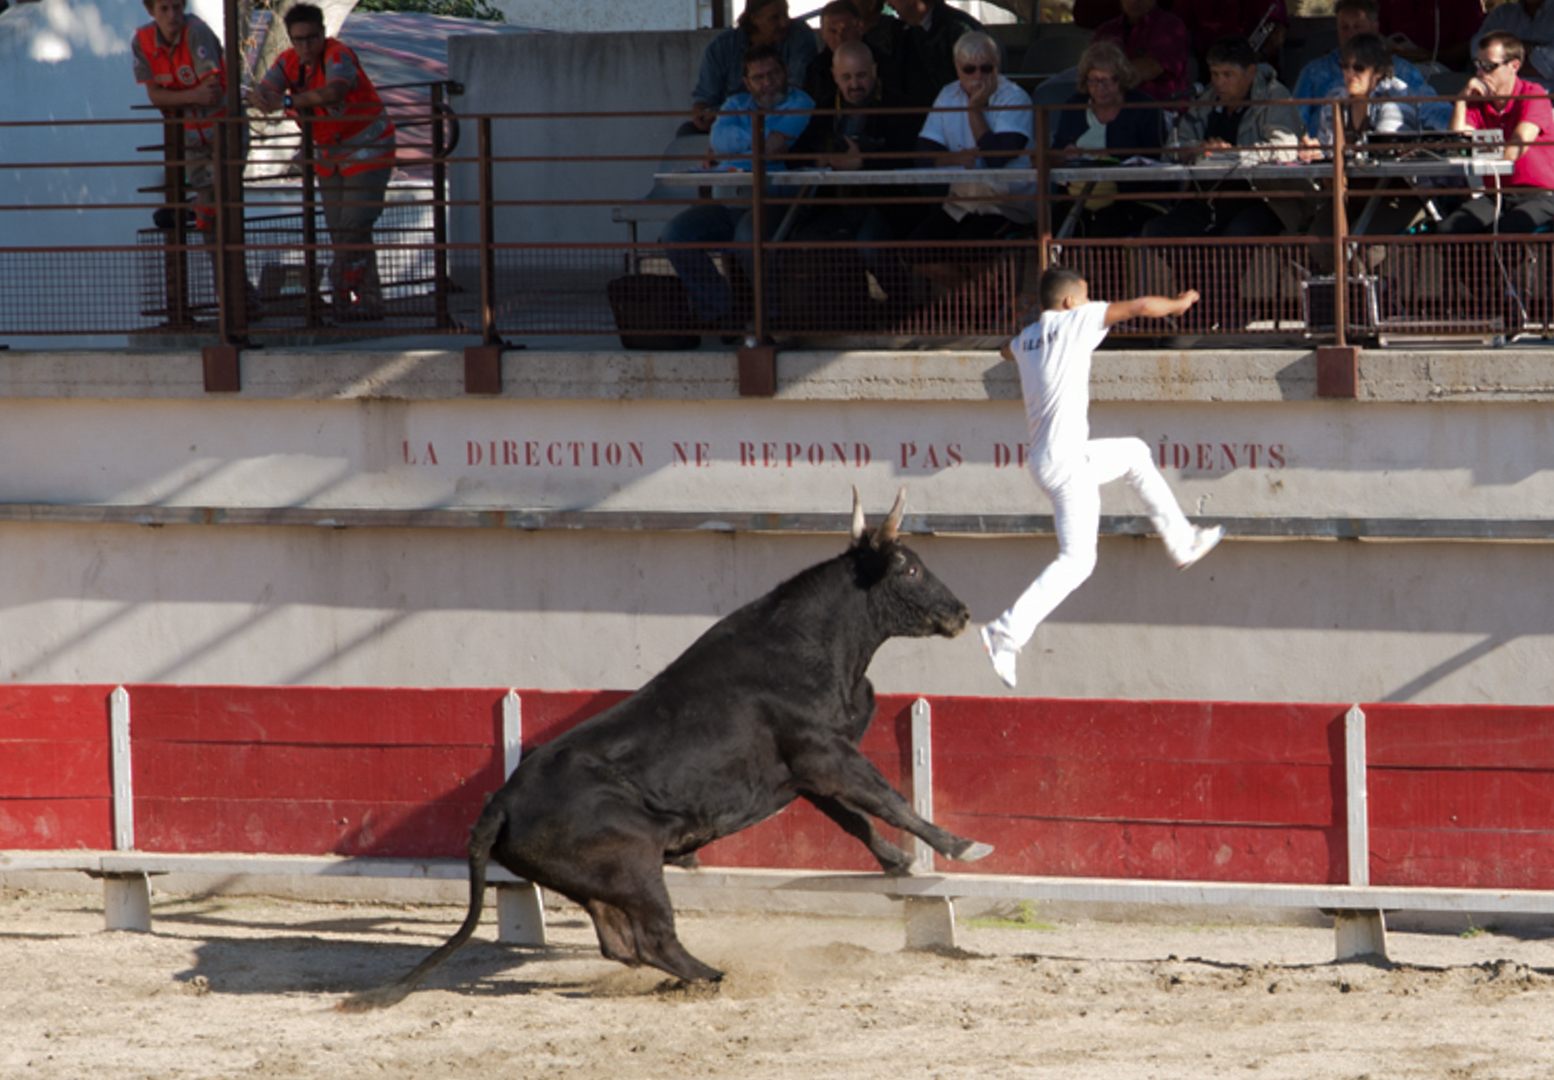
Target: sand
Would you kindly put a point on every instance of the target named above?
(246, 987)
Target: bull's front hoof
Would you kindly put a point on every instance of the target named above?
(974, 851)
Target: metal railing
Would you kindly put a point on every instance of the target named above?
(459, 256)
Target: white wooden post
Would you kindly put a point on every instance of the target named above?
(126, 897)
(930, 920)
(520, 909)
(1358, 933)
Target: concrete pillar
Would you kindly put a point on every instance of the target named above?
(520, 915)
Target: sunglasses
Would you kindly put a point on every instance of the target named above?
(1484, 67)
(1358, 69)
(973, 69)
(305, 39)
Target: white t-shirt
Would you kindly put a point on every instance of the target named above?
(1009, 109)
(1053, 355)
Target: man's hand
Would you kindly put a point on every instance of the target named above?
(264, 98)
(1475, 89)
(1184, 300)
(1310, 149)
(849, 160)
(979, 98)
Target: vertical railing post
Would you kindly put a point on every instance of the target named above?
(1043, 191)
(758, 221)
(442, 320)
(1340, 231)
(175, 269)
(311, 313)
(488, 334)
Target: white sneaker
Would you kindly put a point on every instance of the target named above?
(1203, 541)
(1002, 652)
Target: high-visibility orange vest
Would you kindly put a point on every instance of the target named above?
(352, 135)
(174, 69)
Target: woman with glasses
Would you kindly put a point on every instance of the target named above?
(1368, 106)
(1118, 122)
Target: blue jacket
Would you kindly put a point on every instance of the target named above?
(1322, 79)
(731, 131)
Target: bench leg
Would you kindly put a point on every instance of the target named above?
(930, 922)
(1360, 934)
(127, 902)
(520, 915)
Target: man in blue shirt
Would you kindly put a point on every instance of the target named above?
(785, 112)
(1322, 78)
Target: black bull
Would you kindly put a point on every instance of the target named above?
(767, 706)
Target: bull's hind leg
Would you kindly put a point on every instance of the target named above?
(838, 771)
(860, 827)
(638, 932)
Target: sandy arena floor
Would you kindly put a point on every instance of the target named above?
(246, 987)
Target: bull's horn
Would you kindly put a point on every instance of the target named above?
(857, 516)
(886, 533)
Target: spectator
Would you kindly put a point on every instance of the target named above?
(839, 23)
(1323, 79)
(1210, 20)
(786, 116)
(1108, 85)
(181, 63)
(1245, 114)
(763, 22)
(1156, 43)
(982, 120)
(319, 79)
(1437, 32)
(1489, 101)
(929, 60)
(1368, 106)
(1531, 22)
(885, 35)
(851, 139)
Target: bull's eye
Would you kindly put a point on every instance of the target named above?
(911, 571)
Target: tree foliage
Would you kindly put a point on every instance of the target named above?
(461, 9)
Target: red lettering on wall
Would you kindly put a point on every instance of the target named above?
(1219, 457)
(429, 457)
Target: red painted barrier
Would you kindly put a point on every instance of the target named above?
(1459, 795)
(56, 781)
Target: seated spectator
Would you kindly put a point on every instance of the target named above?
(1431, 32)
(932, 30)
(859, 136)
(1369, 105)
(1532, 23)
(764, 22)
(992, 130)
(1488, 102)
(1108, 85)
(1156, 42)
(885, 35)
(786, 109)
(1244, 114)
(839, 23)
(1210, 20)
(1323, 79)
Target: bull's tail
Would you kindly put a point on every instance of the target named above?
(481, 839)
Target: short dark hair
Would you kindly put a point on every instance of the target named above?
(1370, 50)
(744, 22)
(1056, 283)
(311, 14)
(1232, 50)
(756, 53)
(1371, 9)
(842, 7)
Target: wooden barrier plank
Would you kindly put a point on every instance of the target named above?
(48, 712)
(1114, 849)
(1461, 858)
(362, 773)
(1500, 799)
(54, 768)
(1128, 789)
(56, 823)
(312, 827)
(1461, 736)
(314, 715)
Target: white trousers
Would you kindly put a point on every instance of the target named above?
(1074, 486)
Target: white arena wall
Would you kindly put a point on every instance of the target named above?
(340, 521)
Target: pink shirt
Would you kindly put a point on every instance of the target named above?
(1535, 168)
(1159, 35)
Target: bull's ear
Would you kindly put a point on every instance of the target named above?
(857, 516)
(886, 533)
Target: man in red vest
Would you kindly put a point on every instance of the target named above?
(320, 81)
(179, 60)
